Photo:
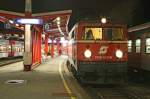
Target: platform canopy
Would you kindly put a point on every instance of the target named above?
(54, 23)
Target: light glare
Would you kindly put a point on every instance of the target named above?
(11, 21)
(30, 21)
(58, 18)
(87, 53)
(103, 20)
(119, 54)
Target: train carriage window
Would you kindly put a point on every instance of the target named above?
(13, 48)
(130, 46)
(92, 34)
(138, 45)
(1, 48)
(148, 45)
(8, 48)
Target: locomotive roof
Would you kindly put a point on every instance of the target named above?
(98, 22)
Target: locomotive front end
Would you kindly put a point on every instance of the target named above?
(102, 55)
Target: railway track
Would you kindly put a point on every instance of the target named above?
(115, 93)
(128, 91)
(118, 92)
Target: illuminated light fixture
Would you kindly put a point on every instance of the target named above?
(29, 21)
(58, 19)
(17, 24)
(54, 41)
(10, 21)
(22, 27)
(103, 20)
(58, 22)
(87, 53)
(119, 54)
(43, 35)
(49, 41)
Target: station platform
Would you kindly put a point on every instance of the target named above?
(50, 80)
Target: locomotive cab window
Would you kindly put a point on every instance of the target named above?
(148, 45)
(130, 46)
(138, 45)
(92, 34)
(113, 33)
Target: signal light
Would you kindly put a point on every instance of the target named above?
(103, 20)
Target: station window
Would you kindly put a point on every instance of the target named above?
(138, 45)
(130, 46)
(148, 45)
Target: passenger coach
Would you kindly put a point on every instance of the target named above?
(139, 51)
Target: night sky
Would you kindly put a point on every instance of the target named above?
(131, 12)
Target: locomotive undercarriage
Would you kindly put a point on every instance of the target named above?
(101, 72)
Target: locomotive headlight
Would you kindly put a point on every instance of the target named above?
(87, 53)
(119, 54)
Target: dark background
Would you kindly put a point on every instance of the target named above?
(130, 12)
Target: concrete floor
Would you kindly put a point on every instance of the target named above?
(44, 82)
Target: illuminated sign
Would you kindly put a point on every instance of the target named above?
(29, 21)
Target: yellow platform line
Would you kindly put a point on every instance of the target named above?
(65, 83)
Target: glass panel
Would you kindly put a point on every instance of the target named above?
(8, 48)
(138, 49)
(92, 34)
(96, 33)
(129, 43)
(129, 49)
(113, 33)
(148, 41)
(117, 34)
(147, 49)
(108, 33)
(138, 42)
(13, 48)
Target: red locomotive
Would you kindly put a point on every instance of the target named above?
(98, 52)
